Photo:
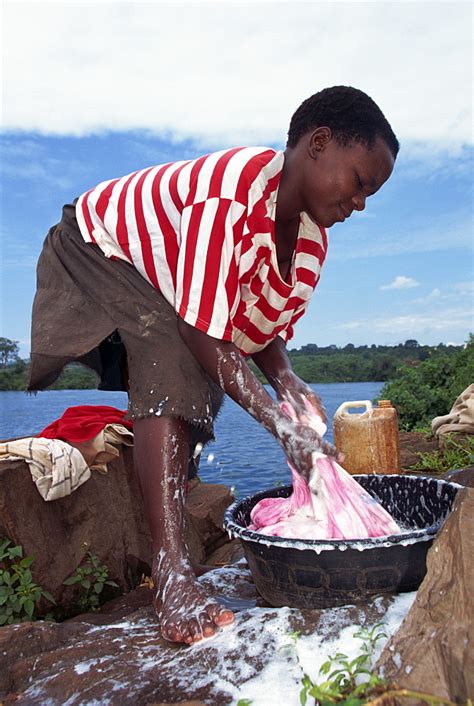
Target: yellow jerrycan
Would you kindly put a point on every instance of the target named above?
(369, 439)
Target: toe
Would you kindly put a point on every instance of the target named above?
(220, 616)
(224, 617)
(208, 627)
(195, 630)
(172, 633)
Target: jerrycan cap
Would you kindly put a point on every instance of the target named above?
(342, 409)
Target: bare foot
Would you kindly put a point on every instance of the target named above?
(186, 611)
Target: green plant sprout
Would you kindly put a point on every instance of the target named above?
(353, 683)
(294, 637)
(19, 594)
(92, 576)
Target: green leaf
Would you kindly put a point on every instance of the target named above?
(48, 596)
(15, 551)
(324, 669)
(26, 562)
(3, 618)
(26, 577)
(71, 580)
(3, 549)
(98, 587)
(112, 583)
(359, 661)
(29, 608)
(303, 696)
(85, 583)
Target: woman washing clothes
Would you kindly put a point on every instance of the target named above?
(175, 274)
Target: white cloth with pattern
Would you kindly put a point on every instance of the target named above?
(58, 468)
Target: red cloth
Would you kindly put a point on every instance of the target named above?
(84, 422)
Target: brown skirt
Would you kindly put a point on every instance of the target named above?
(103, 313)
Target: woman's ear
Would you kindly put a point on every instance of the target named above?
(318, 141)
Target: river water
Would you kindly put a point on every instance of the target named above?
(244, 455)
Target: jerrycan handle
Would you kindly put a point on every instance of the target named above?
(367, 404)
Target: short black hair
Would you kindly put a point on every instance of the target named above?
(351, 115)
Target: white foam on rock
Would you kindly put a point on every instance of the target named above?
(280, 680)
(255, 658)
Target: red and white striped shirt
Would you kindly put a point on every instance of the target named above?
(203, 233)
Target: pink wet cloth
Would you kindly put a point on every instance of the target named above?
(331, 506)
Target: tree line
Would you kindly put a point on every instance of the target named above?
(314, 364)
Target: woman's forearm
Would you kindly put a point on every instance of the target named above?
(274, 363)
(224, 363)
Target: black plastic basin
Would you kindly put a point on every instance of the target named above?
(325, 573)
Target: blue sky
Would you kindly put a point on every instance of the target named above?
(102, 89)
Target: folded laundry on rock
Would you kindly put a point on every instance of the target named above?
(461, 417)
(62, 456)
(95, 430)
(56, 468)
(331, 506)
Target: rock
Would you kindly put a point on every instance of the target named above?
(463, 476)
(105, 516)
(411, 445)
(229, 553)
(432, 650)
(181, 703)
(205, 506)
(116, 656)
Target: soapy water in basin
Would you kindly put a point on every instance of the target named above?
(320, 573)
(419, 505)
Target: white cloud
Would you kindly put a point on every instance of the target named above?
(452, 230)
(410, 324)
(464, 288)
(433, 296)
(443, 323)
(401, 282)
(227, 73)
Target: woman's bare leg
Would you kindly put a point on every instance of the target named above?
(186, 611)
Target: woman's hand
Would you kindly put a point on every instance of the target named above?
(295, 391)
(299, 442)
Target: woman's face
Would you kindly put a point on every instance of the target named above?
(337, 180)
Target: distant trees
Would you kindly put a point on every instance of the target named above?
(424, 380)
(14, 371)
(9, 352)
(429, 389)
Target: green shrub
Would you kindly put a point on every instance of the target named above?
(457, 452)
(92, 577)
(19, 594)
(429, 390)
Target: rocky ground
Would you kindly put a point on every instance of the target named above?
(116, 656)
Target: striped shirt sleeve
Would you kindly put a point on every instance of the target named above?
(207, 292)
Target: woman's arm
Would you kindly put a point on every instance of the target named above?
(227, 367)
(275, 364)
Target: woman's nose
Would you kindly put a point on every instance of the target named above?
(359, 203)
